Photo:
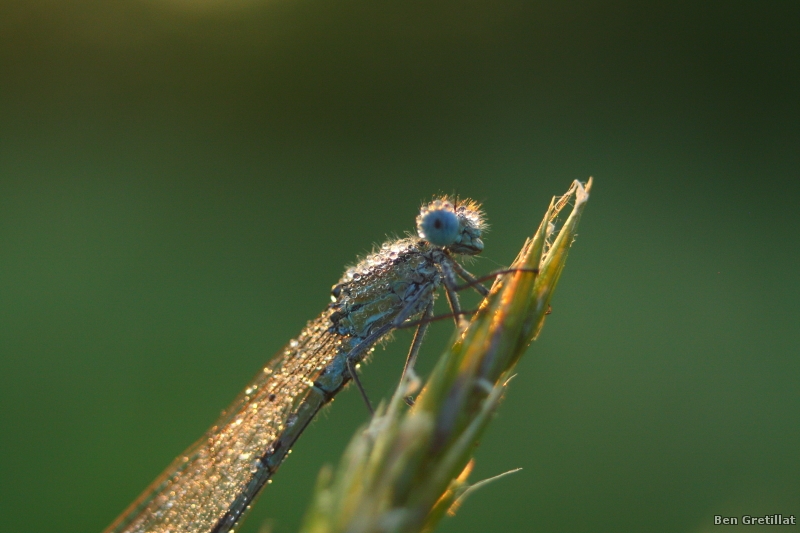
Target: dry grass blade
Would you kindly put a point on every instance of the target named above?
(409, 466)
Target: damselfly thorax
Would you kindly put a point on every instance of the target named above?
(211, 485)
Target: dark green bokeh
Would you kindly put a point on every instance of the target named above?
(181, 183)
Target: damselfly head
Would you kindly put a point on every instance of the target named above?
(453, 224)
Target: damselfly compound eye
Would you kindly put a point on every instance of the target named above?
(439, 227)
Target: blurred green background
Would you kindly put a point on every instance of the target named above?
(182, 181)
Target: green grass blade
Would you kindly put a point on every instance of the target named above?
(409, 466)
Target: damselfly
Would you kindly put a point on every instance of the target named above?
(212, 484)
